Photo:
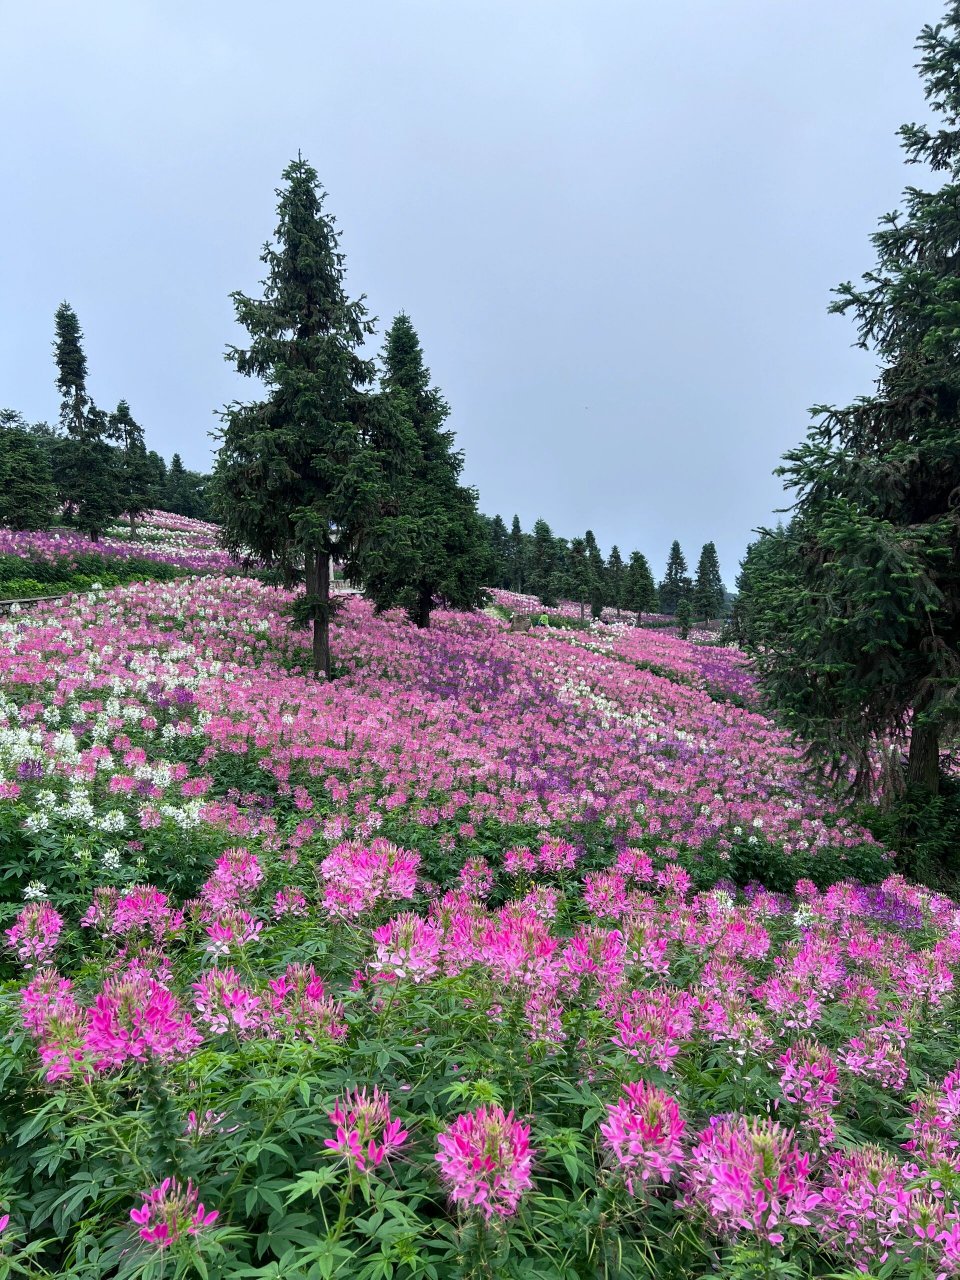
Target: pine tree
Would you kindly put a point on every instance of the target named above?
(294, 478)
(684, 616)
(598, 593)
(615, 572)
(27, 493)
(639, 590)
(427, 540)
(581, 575)
(135, 472)
(866, 588)
(517, 557)
(674, 585)
(708, 590)
(85, 468)
(500, 552)
(543, 563)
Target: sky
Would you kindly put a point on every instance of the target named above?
(615, 224)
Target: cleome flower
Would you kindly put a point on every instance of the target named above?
(170, 1212)
(485, 1160)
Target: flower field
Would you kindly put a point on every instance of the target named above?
(457, 966)
(51, 562)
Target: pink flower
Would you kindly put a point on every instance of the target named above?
(476, 878)
(485, 1160)
(866, 1205)
(643, 1131)
(135, 1017)
(298, 1005)
(652, 1025)
(878, 1054)
(809, 1078)
(170, 1212)
(289, 902)
(358, 876)
(225, 1004)
(749, 1175)
(408, 947)
(367, 1134)
(34, 933)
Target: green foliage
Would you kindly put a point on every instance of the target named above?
(135, 473)
(615, 574)
(639, 590)
(674, 585)
(85, 467)
(684, 617)
(294, 480)
(862, 635)
(27, 493)
(708, 590)
(923, 830)
(426, 539)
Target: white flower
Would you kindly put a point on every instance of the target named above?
(35, 890)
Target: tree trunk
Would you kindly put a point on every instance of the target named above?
(133, 528)
(582, 611)
(318, 584)
(923, 763)
(637, 621)
(421, 610)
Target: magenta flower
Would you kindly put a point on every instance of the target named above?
(135, 1017)
(485, 1160)
(170, 1212)
(750, 1176)
(408, 947)
(224, 1003)
(367, 1134)
(34, 933)
(642, 1132)
(358, 876)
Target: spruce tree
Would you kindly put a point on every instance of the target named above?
(639, 590)
(500, 552)
(517, 557)
(615, 571)
(135, 473)
(581, 579)
(867, 585)
(27, 493)
(543, 563)
(427, 540)
(294, 478)
(598, 593)
(85, 468)
(675, 581)
(708, 592)
(684, 616)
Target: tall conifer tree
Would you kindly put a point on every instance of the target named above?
(427, 541)
(615, 571)
(84, 464)
(865, 589)
(135, 473)
(27, 493)
(294, 478)
(708, 592)
(639, 589)
(675, 581)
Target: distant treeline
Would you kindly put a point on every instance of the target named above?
(555, 568)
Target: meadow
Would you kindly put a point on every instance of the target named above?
(504, 954)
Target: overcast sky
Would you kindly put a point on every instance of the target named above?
(614, 223)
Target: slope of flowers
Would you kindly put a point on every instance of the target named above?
(130, 717)
(409, 974)
(162, 539)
